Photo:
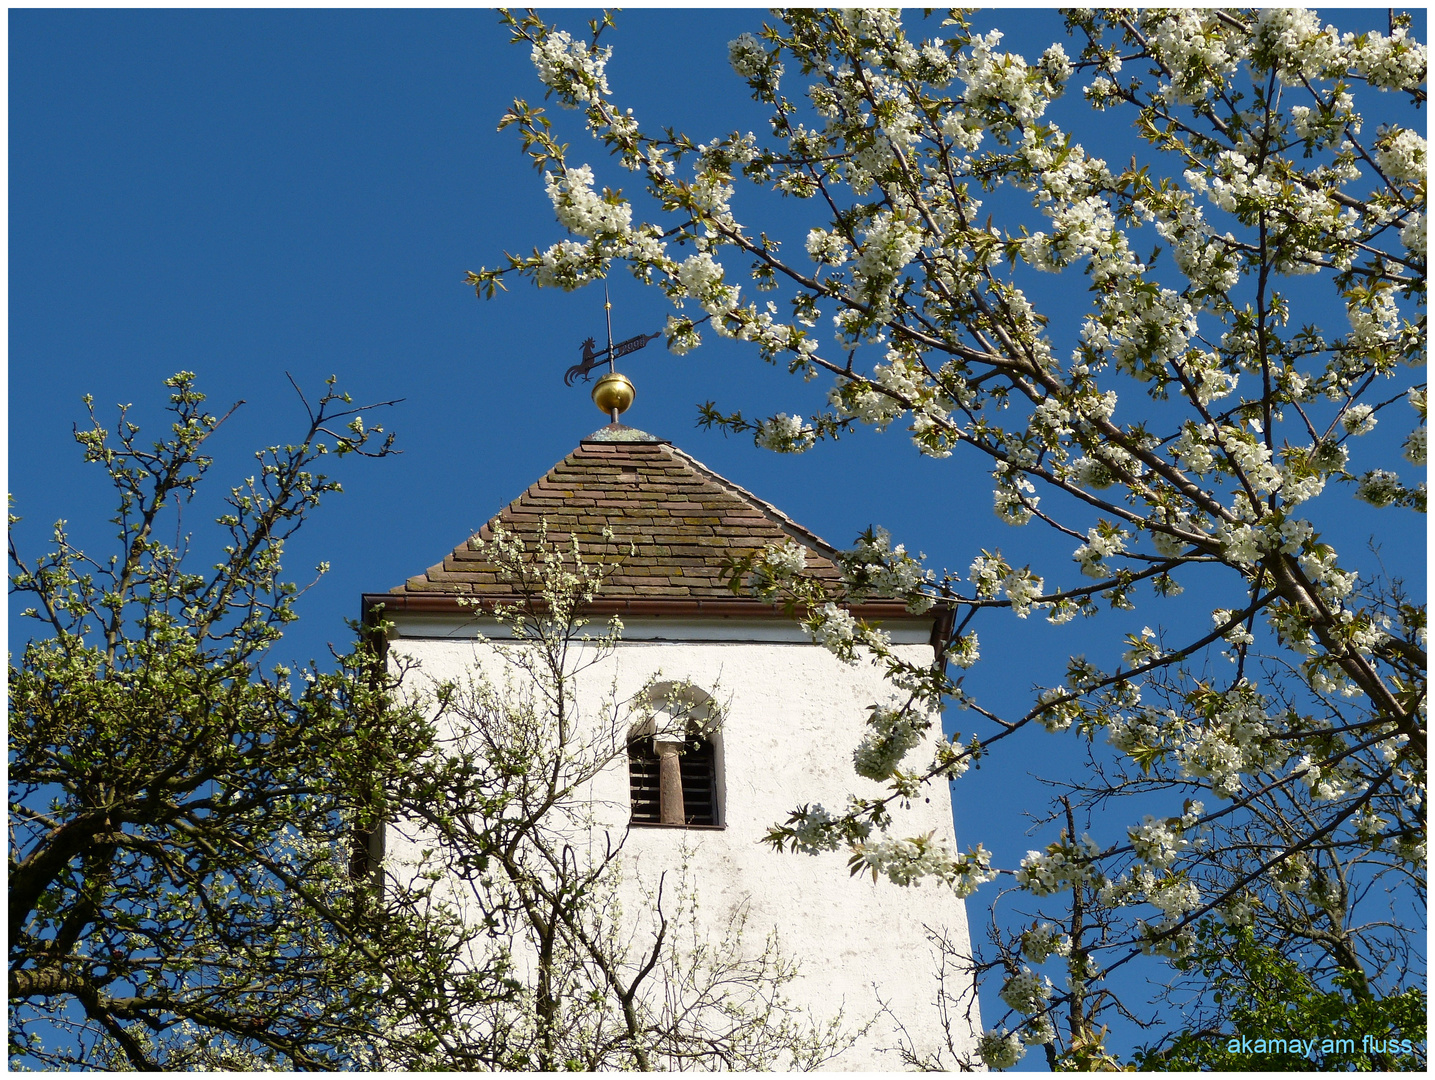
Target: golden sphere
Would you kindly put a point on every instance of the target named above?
(613, 392)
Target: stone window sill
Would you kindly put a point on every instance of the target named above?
(664, 825)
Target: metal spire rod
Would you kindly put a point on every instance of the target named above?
(608, 311)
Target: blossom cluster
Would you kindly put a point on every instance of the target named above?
(750, 60)
(908, 861)
(875, 568)
(1026, 991)
(584, 212)
(1000, 1049)
(1044, 940)
(1157, 843)
(992, 575)
(785, 434)
(777, 566)
(842, 635)
(1058, 867)
(575, 71)
(814, 829)
(891, 732)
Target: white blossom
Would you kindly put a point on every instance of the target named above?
(750, 60)
(1401, 156)
(813, 831)
(567, 265)
(1237, 634)
(1056, 868)
(1229, 745)
(1413, 235)
(1194, 49)
(837, 629)
(875, 568)
(1022, 587)
(1359, 420)
(1294, 532)
(1242, 544)
(1175, 895)
(965, 652)
(986, 574)
(1379, 487)
(1039, 1031)
(891, 733)
(1390, 63)
(1156, 843)
(888, 245)
(1000, 1050)
(1374, 320)
(785, 434)
(702, 279)
(1026, 991)
(1042, 941)
(572, 69)
(1293, 43)
(1101, 544)
(828, 247)
(682, 336)
(907, 862)
(1238, 910)
(1414, 449)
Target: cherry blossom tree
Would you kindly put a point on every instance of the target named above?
(1204, 424)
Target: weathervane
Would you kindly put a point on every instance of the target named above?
(613, 393)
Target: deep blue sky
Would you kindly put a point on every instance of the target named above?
(245, 194)
(249, 193)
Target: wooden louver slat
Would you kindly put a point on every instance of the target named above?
(643, 782)
(699, 787)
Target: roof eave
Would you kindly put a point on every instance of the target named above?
(941, 616)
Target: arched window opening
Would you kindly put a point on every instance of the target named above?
(673, 759)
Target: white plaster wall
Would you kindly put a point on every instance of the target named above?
(793, 714)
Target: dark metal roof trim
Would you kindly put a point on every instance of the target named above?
(941, 616)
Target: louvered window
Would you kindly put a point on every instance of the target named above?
(698, 766)
(643, 781)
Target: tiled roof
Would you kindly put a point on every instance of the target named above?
(683, 521)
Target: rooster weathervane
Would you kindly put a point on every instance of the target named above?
(613, 393)
(592, 359)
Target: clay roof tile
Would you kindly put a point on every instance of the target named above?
(683, 522)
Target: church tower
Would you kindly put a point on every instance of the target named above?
(787, 716)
